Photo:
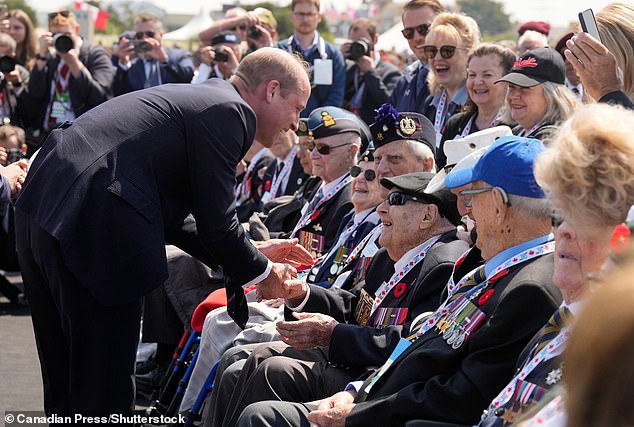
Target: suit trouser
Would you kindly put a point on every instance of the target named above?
(278, 414)
(275, 371)
(87, 350)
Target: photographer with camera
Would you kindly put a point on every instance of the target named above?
(69, 77)
(370, 80)
(13, 80)
(221, 59)
(144, 62)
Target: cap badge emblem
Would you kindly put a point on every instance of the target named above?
(327, 119)
(379, 136)
(407, 125)
(522, 63)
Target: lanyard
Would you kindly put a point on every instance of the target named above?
(398, 275)
(544, 354)
(286, 169)
(440, 112)
(321, 46)
(522, 257)
(469, 125)
(307, 217)
(530, 132)
(372, 236)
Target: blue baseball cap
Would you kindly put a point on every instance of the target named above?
(508, 164)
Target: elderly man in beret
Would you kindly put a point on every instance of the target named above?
(348, 332)
(455, 360)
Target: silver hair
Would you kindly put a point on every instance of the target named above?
(422, 152)
(530, 207)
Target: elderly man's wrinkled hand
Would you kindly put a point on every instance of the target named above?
(274, 286)
(309, 331)
(332, 412)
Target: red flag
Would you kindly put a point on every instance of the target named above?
(100, 17)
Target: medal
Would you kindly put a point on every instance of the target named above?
(364, 306)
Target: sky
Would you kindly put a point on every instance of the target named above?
(556, 12)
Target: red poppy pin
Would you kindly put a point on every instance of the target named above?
(620, 238)
(498, 275)
(315, 215)
(485, 296)
(400, 289)
(267, 185)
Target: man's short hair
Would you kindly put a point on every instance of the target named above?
(151, 19)
(369, 24)
(8, 42)
(417, 4)
(268, 64)
(7, 131)
(312, 2)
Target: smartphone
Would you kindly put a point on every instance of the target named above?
(589, 24)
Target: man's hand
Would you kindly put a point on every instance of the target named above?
(595, 65)
(125, 51)
(15, 174)
(74, 64)
(229, 67)
(157, 52)
(365, 63)
(285, 250)
(274, 286)
(311, 330)
(332, 412)
(45, 40)
(265, 40)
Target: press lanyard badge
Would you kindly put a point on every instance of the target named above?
(60, 106)
(322, 71)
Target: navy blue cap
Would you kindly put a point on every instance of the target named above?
(226, 37)
(508, 164)
(328, 121)
(390, 125)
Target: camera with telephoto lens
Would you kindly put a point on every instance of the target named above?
(220, 55)
(63, 42)
(13, 155)
(141, 46)
(254, 33)
(359, 48)
(7, 64)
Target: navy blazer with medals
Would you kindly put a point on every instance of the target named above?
(431, 380)
(121, 179)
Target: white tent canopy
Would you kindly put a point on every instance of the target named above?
(195, 25)
(393, 39)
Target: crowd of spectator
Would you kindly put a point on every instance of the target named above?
(453, 217)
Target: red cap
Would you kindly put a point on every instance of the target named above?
(539, 26)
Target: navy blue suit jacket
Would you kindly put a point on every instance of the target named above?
(117, 183)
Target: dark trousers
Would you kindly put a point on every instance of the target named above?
(87, 350)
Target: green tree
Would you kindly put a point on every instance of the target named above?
(489, 14)
(22, 4)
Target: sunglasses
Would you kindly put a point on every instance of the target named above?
(467, 195)
(422, 29)
(139, 35)
(397, 198)
(556, 219)
(446, 51)
(323, 149)
(369, 174)
(64, 13)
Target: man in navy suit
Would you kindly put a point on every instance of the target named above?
(143, 61)
(107, 192)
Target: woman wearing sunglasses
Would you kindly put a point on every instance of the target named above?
(537, 98)
(452, 37)
(487, 64)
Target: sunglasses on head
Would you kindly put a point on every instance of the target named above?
(368, 174)
(323, 149)
(396, 198)
(139, 35)
(446, 51)
(64, 13)
(422, 29)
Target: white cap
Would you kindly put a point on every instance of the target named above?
(461, 148)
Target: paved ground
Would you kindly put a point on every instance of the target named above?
(20, 378)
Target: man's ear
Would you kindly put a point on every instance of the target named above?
(272, 90)
(429, 216)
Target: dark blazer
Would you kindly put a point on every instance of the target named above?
(379, 84)
(431, 380)
(122, 178)
(618, 98)
(179, 68)
(354, 345)
(90, 89)
(407, 96)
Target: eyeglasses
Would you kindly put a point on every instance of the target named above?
(368, 174)
(556, 219)
(422, 29)
(467, 195)
(139, 35)
(323, 149)
(446, 51)
(396, 198)
(64, 13)
(305, 15)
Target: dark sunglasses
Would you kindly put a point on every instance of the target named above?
(323, 149)
(64, 13)
(369, 174)
(556, 219)
(397, 198)
(139, 35)
(422, 29)
(445, 51)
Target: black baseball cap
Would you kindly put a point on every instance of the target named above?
(226, 37)
(537, 66)
(414, 184)
(390, 125)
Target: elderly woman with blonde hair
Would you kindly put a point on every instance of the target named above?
(588, 174)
